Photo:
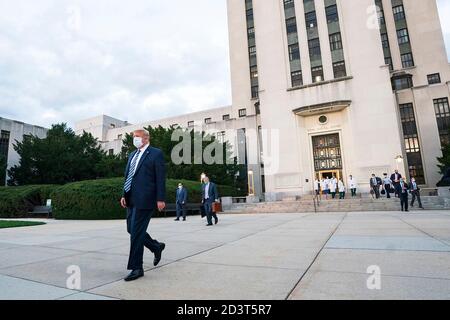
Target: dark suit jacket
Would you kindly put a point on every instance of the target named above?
(149, 182)
(393, 177)
(213, 194)
(181, 195)
(379, 182)
(400, 189)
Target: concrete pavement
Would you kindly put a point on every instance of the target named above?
(263, 256)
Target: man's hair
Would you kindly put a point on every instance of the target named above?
(143, 131)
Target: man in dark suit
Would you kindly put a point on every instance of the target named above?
(144, 191)
(181, 200)
(209, 196)
(395, 178)
(403, 192)
(415, 192)
(375, 183)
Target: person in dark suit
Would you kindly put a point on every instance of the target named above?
(375, 183)
(395, 178)
(403, 192)
(209, 196)
(144, 191)
(181, 200)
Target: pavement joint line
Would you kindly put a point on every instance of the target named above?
(43, 283)
(424, 232)
(94, 294)
(40, 261)
(245, 266)
(316, 256)
(198, 253)
(384, 275)
(384, 249)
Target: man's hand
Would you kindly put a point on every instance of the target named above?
(123, 203)
(161, 205)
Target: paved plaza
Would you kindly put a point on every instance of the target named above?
(264, 256)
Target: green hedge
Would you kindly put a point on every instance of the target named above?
(16, 202)
(99, 199)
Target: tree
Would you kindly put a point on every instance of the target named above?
(59, 158)
(225, 173)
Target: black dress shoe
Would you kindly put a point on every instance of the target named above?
(216, 221)
(209, 224)
(135, 274)
(158, 254)
(184, 219)
(177, 219)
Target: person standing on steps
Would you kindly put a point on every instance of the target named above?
(209, 196)
(415, 192)
(352, 185)
(181, 200)
(395, 177)
(326, 187)
(333, 187)
(375, 183)
(342, 189)
(144, 191)
(403, 192)
(387, 185)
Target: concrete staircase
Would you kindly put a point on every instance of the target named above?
(306, 204)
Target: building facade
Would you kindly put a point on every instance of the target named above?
(329, 87)
(10, 132)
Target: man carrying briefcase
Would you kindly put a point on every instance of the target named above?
(210, 196)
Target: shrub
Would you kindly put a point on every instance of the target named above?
(16, 202)
(99, 199)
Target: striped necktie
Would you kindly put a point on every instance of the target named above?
(131, 172)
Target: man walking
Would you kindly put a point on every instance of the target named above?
(387, 185)
(144, 191)
(415, 192)
(352, 185)
(375, 183)
(403, 193)
(181, 200)
(395, 178)
(209, 196)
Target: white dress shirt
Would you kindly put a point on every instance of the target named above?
(142, 151)
(207, 191)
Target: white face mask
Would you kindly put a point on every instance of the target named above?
(179, 187)
(137, 142)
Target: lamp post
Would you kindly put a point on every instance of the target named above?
(399, 160)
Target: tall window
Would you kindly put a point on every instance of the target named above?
(297, 78)
(407, 60)
(399, 13)
(385, 40)
(335, 41)
(291, 25)
(402, 36)
(332, 14)
(4, 143)
(294, 52)
(311, 20)
(388, 61)
(442, 110)
(339, 69)
(317, 74)
(254, 84)
(412, 144)
(314, 48)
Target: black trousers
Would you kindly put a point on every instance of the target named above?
(416, 194)
(181, 209)
(353, 192)
(404, 201)
(137, 224)
(387, 188)
(376, 191)
(208, 210)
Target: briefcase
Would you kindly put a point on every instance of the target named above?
(217, 207)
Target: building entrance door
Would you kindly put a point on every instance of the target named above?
(327, 156)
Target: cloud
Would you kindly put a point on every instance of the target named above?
(135, 60)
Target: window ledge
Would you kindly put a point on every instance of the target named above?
(320, 83)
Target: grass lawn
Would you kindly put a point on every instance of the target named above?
(15, 224)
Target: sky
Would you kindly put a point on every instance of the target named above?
(136, 60)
